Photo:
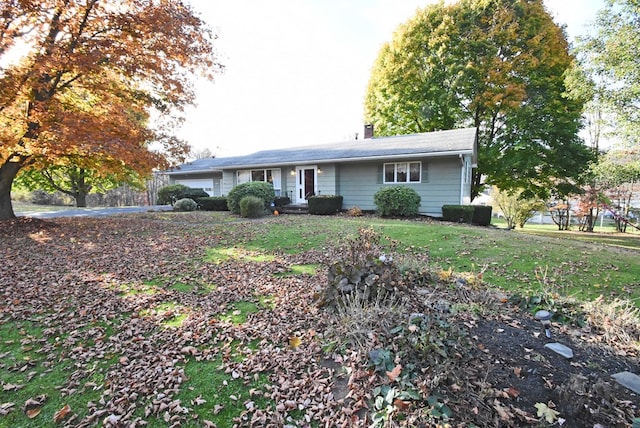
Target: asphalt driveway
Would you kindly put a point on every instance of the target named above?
(93, 212)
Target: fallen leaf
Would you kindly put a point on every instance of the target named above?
(33, 412)
(394, 373)
(5, 408)
(401, 404)
(545, 412)
(514, 393)
(295, 342)
(62, 413)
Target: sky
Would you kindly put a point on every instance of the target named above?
(296, 71)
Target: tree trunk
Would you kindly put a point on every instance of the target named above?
(8, 172)
(81, 199)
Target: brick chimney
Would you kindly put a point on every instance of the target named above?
(368, 130)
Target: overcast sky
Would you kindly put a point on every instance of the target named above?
(297, 70)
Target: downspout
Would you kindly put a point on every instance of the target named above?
(461, 179)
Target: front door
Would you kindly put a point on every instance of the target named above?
(306, 182)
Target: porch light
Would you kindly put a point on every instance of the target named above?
(319, 170)
(293, 171)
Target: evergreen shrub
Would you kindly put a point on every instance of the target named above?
(397, 201)
(260, 189)
(251, 207)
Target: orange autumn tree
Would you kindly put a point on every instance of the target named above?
(89, 76)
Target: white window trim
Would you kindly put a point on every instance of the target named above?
(264, 170)
(395, 172)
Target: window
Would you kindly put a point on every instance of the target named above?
(269, 175)
(403, 172)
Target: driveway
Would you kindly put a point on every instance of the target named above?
(93, 212)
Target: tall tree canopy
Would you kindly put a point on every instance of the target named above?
(94, 73)
(609, 58)
(497, 65)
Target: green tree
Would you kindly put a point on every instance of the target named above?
(93, 73)
(516, 209)
(497, 65)
(610, 57)
(78, 178)
(618, 174)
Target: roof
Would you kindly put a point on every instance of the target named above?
(439, 143)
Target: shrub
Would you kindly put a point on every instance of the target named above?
(213, 203)
(185, 204)
(325, 204)
(482, 215)
(251, 206)
(260, 189)
(194, 194)
(169, 194)
(173, 192)
(397, 201)
(457, 213)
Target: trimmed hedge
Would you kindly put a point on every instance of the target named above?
(324, 204)
(259, 189)
(251, 206)
(213, 203)
(457, 213)
(471, 214)
(482, 215)
(397, 201)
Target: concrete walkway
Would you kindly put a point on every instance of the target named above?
(93, 212)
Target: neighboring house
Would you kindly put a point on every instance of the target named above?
(437, 165)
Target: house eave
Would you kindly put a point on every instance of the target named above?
(328, 160)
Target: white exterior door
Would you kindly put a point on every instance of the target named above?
(306, 183)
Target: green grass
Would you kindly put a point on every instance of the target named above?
(26, 361)
(307, 269)
(221, 255)
(532, 260)
(240, 311)
(225, 395)
(22, 207)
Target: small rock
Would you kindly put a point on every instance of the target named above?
(560, 349)
(628, 380)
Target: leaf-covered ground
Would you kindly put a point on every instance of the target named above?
(163, 319)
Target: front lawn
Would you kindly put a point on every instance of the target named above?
(206, 319)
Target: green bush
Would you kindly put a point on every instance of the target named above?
(325, 204)
(259, 189)
(482, 215)
(251, 206)
(397, 201)
(185, 204)
(173, 192)
(213, 203)
(458, 213)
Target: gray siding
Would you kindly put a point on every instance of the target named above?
(358, 182)
(327, 180)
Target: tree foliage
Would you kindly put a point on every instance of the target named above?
(78, 179)
(609, 58)
(497, 65)
(91, 76)
(516, 209)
